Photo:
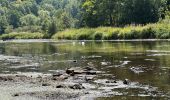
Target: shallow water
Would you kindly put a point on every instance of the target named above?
(142, 62)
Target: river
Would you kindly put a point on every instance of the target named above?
(146, 63)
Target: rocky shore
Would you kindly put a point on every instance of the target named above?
(73, 83)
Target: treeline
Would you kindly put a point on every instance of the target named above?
(51, 16)
(45, 16)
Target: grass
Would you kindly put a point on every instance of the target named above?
(150, 31)
(23, 35)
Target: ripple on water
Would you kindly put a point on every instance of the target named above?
(123, 63)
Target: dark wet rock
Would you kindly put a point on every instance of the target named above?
(60, 86)
(72, 74)
(75, 61)
(74, 70)
(20, 76)
(112, 81)
(69, 71)
(91, 72)
(57, 74)
(126, 81)
(16, 95)
(46, 84)
(54, 78)
(77, 86)
(87, 93)
(108, 82)
(7, 78)
(60, 78)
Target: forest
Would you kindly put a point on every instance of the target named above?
(47, 17)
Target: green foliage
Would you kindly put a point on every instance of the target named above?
(150, 31)
(23, 35)
(121, 12)
(47, 14)
(51, 16)
(29, 20)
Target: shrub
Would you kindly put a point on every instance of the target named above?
(23, 35)
(97, 35)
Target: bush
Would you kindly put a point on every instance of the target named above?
(23, 35)
(162, 31)
(97, 35)
(84, 34)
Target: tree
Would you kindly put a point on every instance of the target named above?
(3, 24)
(45, 20)
(52, 28)
(29, 20)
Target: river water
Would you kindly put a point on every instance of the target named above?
(144, 62)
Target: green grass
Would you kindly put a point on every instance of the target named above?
(23, 35)
(150, 31)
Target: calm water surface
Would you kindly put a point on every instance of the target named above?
(146, 62)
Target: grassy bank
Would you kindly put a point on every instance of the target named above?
(23, 35)
(150, 31)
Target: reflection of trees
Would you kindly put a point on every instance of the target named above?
(108, 47)
(48, 48)
(2, 49)
(28, 48)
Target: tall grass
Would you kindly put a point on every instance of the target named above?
(23, 35)
(150, 31)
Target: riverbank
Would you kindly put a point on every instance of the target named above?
(150, 31)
